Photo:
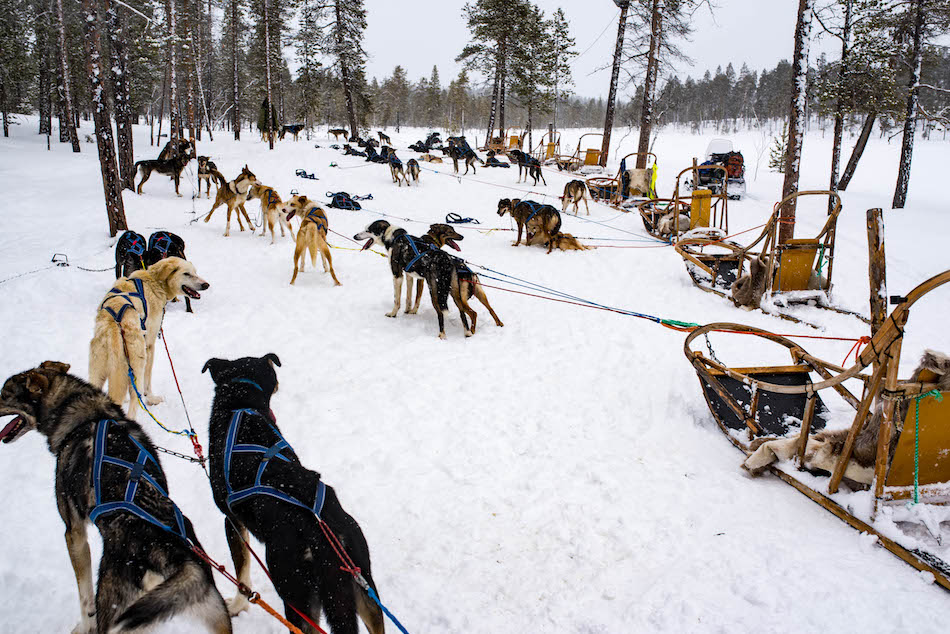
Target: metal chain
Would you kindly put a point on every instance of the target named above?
(712, 353)
(179, 455)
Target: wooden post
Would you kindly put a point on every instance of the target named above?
(877, 268)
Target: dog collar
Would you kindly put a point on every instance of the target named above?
(249, 382)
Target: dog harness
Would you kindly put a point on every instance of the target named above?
(136, 246)
(313, 217)
(137, 473)
(342, 200)
(232, 446)
(417, 254)
(161, 242)
(394, 160)
(535, 208)
(139, 294)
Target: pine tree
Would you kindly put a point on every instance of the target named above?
(433, 99)
(532, 79)
(779, 151)
(15, 63)
(343, 39)
(562, 52)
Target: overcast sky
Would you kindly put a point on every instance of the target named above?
(418, 34)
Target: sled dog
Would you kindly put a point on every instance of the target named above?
(273, 209)
(234, 195)
(127, 325)
(205, 169)
(311, 236)
(148, 573)
(412, 258)
(523, 211)
(306, 571)
(574, 192)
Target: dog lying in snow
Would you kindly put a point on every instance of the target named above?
(824, 448)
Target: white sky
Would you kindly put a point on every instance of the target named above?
(419, 33)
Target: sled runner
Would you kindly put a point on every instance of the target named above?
(629, 186)
(701, 209)
(797, 271)
(771, 413)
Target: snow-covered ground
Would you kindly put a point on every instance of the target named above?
(559, 474)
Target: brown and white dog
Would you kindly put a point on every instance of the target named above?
(574, 192)
(127, 325)
(205, 169)
(566, 242)
(234, 195)
(430, 158)
(545, 219)
(311, 236)
(273, 210)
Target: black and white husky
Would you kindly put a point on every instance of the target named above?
(410, 257)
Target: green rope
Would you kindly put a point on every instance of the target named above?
(821, 260)
(937, 395)
(679, 324)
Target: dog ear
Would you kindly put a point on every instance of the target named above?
(212, 364)
(273, 358)
(36, 383)
(57, 367)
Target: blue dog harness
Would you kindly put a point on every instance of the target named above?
(136, 247)
(139, 294)
(415, 250)
(316, 219)
(232, 447)
(137, 473)
(161, 242)
(535, 208)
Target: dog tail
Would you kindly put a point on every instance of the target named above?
(219, 177)
(188, 588)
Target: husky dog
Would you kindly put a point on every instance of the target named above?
(566, 242)
(574, 192)
(457, 153)
(430, 158)
(125, 339)
(524, 211)
(172, 168)
(384, 138)
(234, 195)
(129, 253)
(530, 165)
(148, 573)
(312, 235)
(748, 289)
(395, 166)
(184, 147)
(440, 235)
(824, 448)
(337, 133)
(305, 569)
(163, 244)
(273, 210)
(412, 258)
(205, 169)
(412, 168)
(293, 128)
(665, 225)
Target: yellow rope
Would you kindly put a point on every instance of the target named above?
(382, 255)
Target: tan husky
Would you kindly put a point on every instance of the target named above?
(127, 326)
(312, 235)
(234, 195)
(273, 210)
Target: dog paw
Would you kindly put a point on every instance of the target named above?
(392, 314)
(237, 605)
(151, 399)
(442, 335)
(469, 333)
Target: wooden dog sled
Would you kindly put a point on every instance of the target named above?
(784, 401)
(703, 209)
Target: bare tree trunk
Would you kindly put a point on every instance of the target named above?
(119, 57)
(65, 89)
(235, 84)
(270, 101)
(910, 117)
(345, 73)
(857, 152)
(649, 83)
(187, 60)
(111, 185)
(796, 117)
(614, 76)
(494, 102)
(42, 28)
(174, 114)
(839, 105)
(161, 105)
(503, 47)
